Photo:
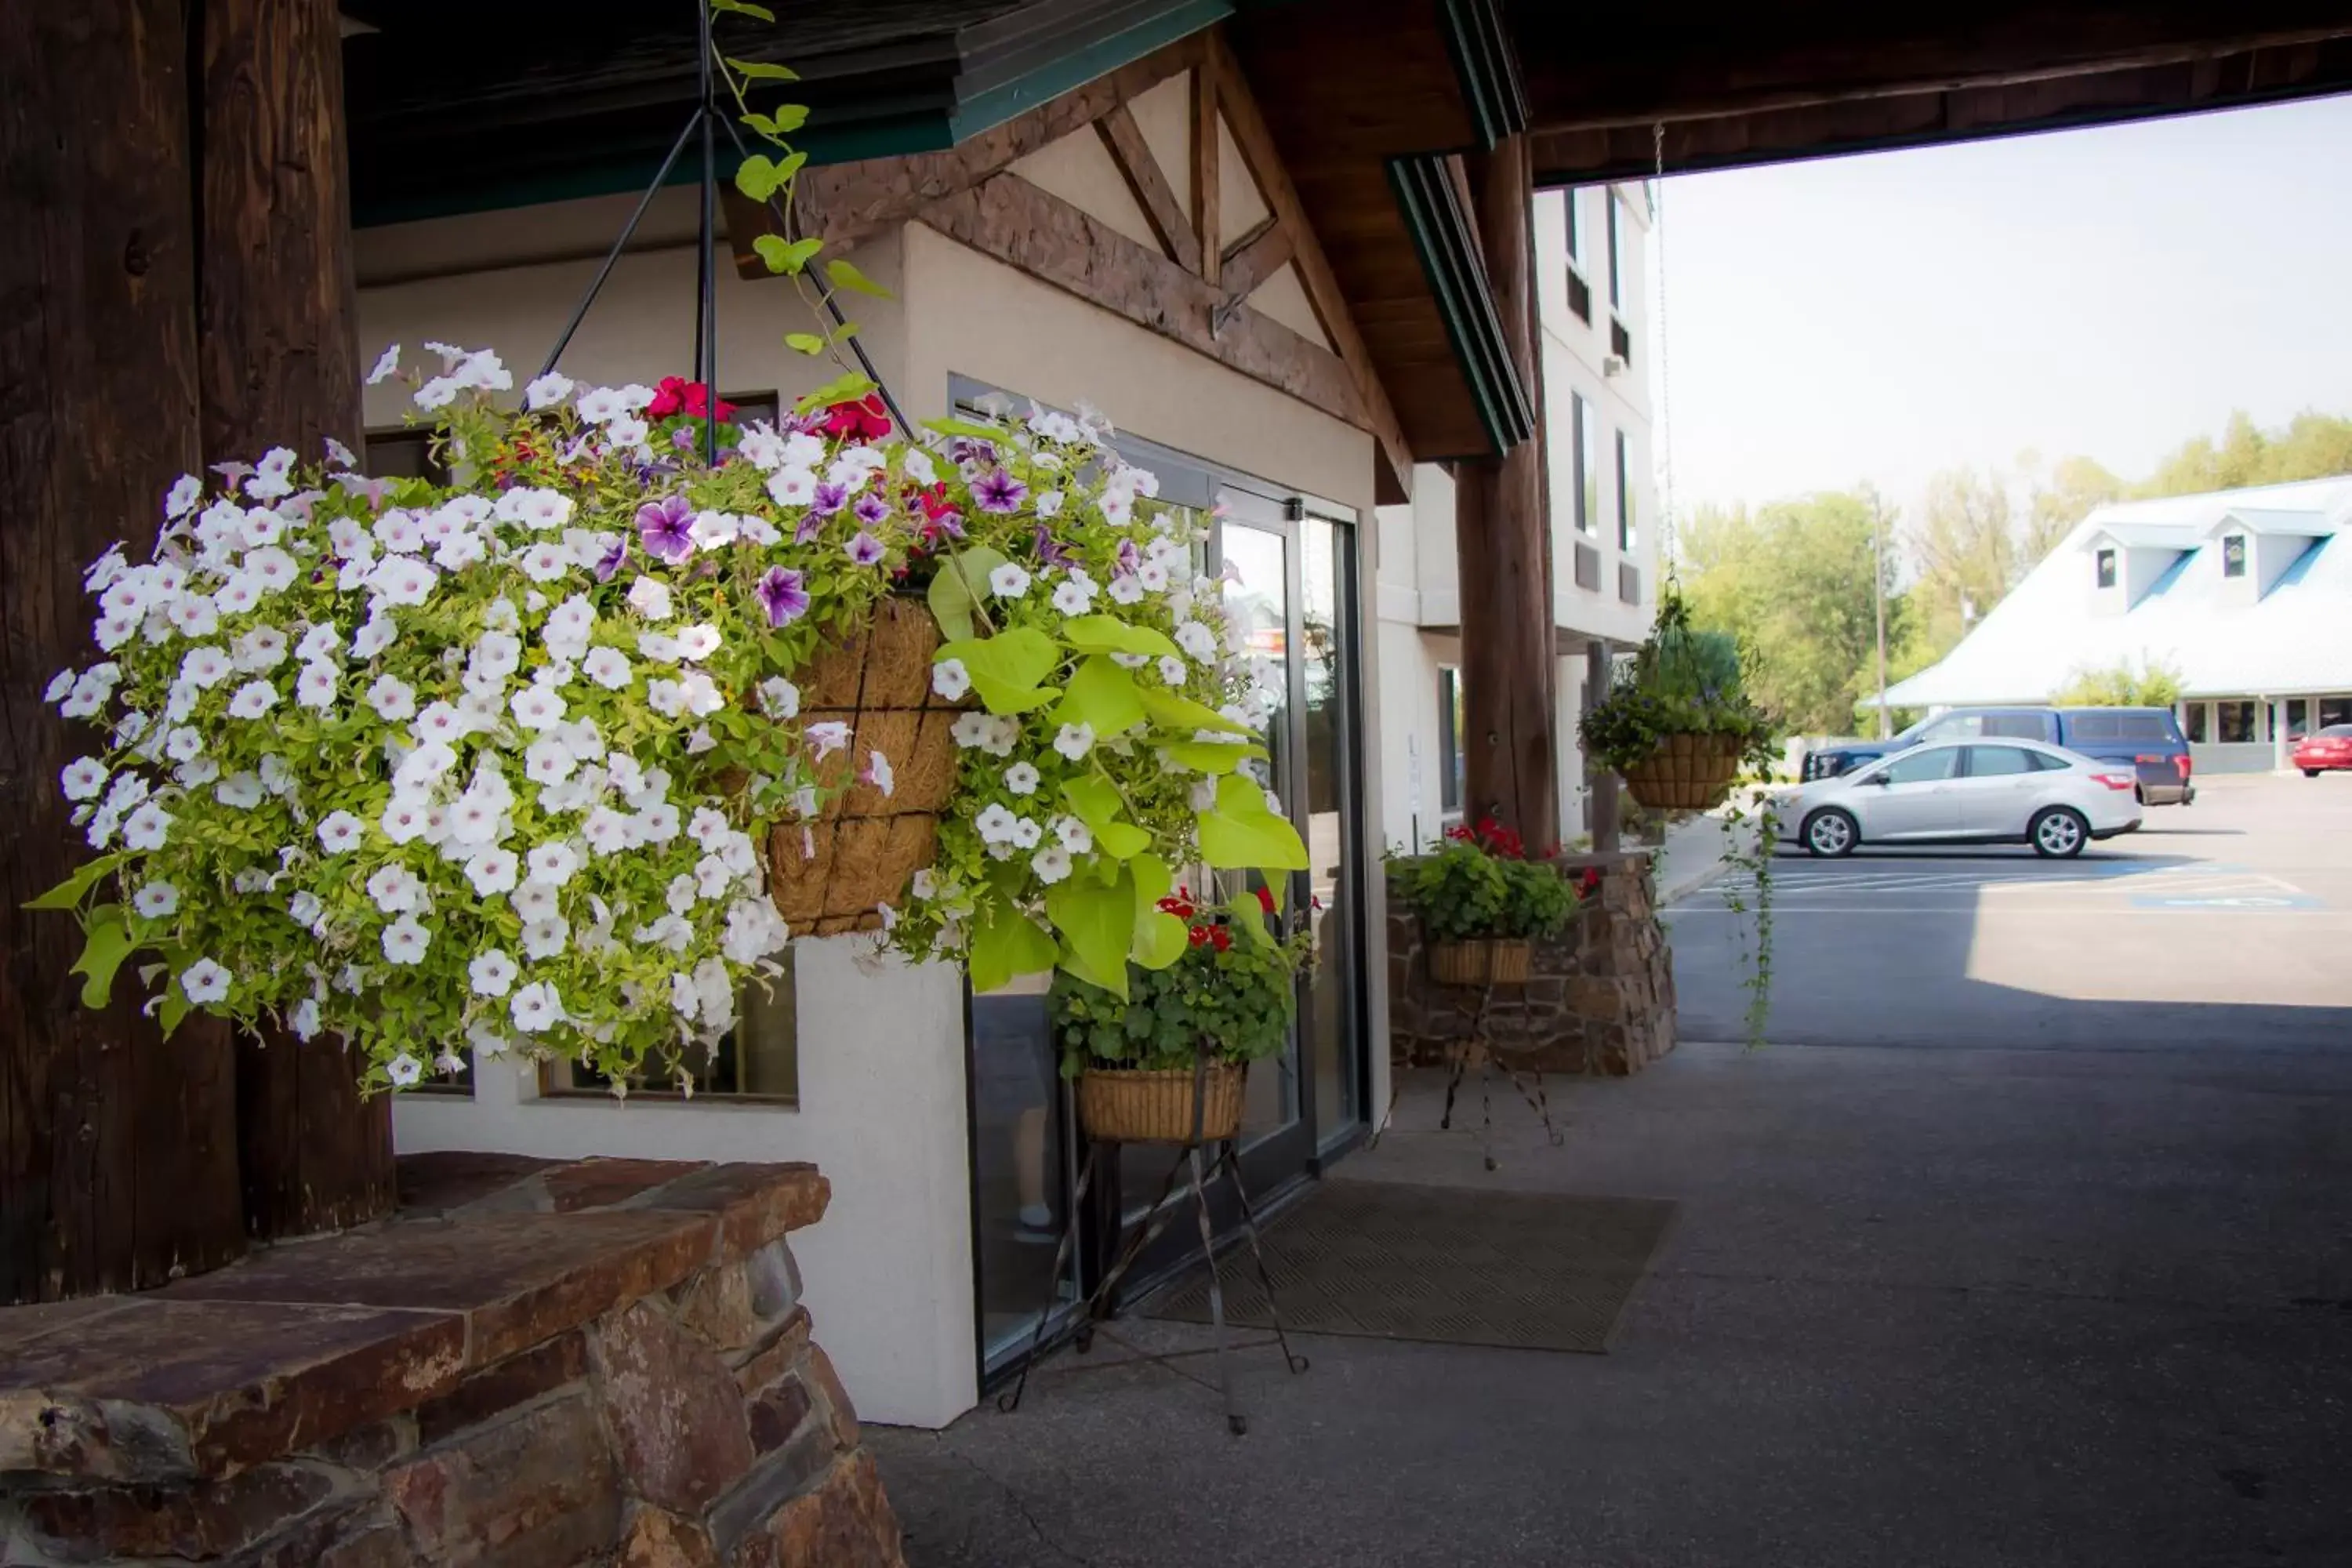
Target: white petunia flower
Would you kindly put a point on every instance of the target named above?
(492, 973)
(667, 698)
(552, 863)
(492, 870)
(263, 648)
(1196, 640)
(205, 982)
(394, 889)
(827, 738)
(146, 828)
(547, 760)
(403, 1069)
(1074, 741)
(404, 942)
(1073, 599)
(626, 431)
(386, 365)
(545, 938)
(392, 699)
(339, 831)
(537, 708)
(398, 580)
(316, 686)
(193, 616)
(536, 901)
(83, 778)
(1052, 865)
(606, 830)
(1171, 669)
(544, 562)
(649, 596)
(536, 1007)
(608, 667)
(404, 819)
(600, 406)
(1026, 833)
(155, 899)
(1076, 836)
(240, 792)
(186, 492)
(876, 772)
(994, 824)
(437, 393)
(697, 642)
(950, 679)
(304, 1019)
(204, 667)
(779, 698)
(1008, 580)
(552, 388)
(307, 908)
(971, 731)
(1021, 778)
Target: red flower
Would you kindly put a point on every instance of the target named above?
(1266, 899)
(1181, 908)
(676, 395)
(1222, 937)
(865, 420)
(1200, 935)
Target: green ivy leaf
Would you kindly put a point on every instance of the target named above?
(846, 388)
(1108, 634)
(1160, 939)
(68, 893)
(843, 275)
(1006, 943)
(955, 592)
(784, 257)
(1095, 802)
(805, 342)
(758, 71)
(1097, 923)
(1103, 695)
(1176, 712)
(1209, 756)
(1006, 668)
(109, 944)
(1153, 879)
(759, 177)
(1241, 833)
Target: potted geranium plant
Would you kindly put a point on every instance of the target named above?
(1678, 724)
(1483, 903)
(1168, 1064)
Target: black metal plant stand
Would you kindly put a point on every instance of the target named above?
(1102, 1154)
(1479, 1044)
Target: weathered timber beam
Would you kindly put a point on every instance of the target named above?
(843, 204)
(1254, 257)
(1056, 242)
(1256, 143)
(1206, 216)
(1123, 140)
(1645, 70)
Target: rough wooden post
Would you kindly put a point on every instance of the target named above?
(278, 364)
(118, 1150)
(1502, 549)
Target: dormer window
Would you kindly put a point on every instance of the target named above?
(2233, 555)
(2107, 565)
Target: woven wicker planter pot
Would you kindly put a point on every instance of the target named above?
(1139, 1105)
(1686, 773)
(827, 876)
(1482, 961)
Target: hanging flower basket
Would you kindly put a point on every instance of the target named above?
(1481, 961)
(1155, 1105)
(876, 827)
(1686, 773)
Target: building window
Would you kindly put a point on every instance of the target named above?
(758, 1061)
(2233, 555)
(2334, 711)
(1580, 297)
(1616, 254)
(404, 455)
(1620, 341)
(2298, 718)
(1624, 497)
(2233, 723)
(1587, 444)
(2107, 568)
(2194, 716)
(1452, 772)
(1573, 201)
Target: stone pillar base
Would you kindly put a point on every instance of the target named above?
(532, 1362)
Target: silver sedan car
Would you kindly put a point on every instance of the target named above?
(2004, 792)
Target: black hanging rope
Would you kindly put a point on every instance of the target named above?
(706, 118)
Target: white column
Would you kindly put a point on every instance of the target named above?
(2277, 711)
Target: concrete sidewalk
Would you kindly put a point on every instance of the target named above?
(1954, 1306)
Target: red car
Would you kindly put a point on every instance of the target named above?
(2329, 748)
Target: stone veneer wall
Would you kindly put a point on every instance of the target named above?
(535, 1364)
(1599, 999)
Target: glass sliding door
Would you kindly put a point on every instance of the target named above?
(1332, 1007)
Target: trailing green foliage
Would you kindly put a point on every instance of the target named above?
(1479, 885)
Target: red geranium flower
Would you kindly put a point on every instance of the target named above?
(1222, 937)
(676, 395)
(1200, 935)
(865, 420)
(1266, 899)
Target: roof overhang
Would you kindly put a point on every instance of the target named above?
(2297, 524)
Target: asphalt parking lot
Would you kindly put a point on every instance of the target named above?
(2223, 926)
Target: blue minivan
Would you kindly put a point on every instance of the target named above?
(2147, 740)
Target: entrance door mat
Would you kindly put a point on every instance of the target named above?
(1453, 1265)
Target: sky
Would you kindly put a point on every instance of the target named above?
(2109, 292)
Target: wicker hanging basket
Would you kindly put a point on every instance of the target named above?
(1481, 961)
(829, 874)
(1686, 773)
(1154, 1105)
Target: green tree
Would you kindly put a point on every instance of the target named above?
(1966, 554)
(1793, 581)
(2060, 496)
(2310, 446)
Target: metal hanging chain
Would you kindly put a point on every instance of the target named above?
(1665, 350)
(706, 118)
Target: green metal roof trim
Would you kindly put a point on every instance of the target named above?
(1447, 242)
(1488, 65)
(982, 100)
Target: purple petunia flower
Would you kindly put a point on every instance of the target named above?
(871, 510)
(609, 564)
(963, 450)
(811, 526)
(828, 499)
(683, 438)
(783, 597)
(1129, 557)
(999, 493)
(1049, 552)
(666, 527)
(864, 550)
